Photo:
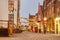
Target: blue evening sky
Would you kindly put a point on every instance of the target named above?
(29, 6)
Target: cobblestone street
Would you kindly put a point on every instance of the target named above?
(32, 36)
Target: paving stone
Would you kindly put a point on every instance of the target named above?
(31, 36)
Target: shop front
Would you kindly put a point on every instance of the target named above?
(57, 25)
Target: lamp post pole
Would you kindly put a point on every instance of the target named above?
(45, 22)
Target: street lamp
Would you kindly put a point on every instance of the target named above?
(45, 22)
(45, 18)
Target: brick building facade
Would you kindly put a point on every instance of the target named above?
(40, 17)
(51, 10)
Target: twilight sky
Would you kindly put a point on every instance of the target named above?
(29, 6)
